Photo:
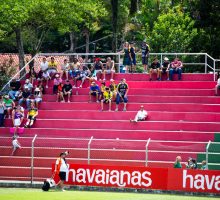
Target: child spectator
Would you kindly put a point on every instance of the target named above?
(9, 104)
(140, 116)
(176, 68)
(165, 68)
(37, 96)
(217, 87)
(145, 50)
(43, 65)
(31, 116)
(191, 164)
(65, 67)
(67, 90)
(17, 119)
(102, 89)
(15, 145)
(2, 111)
(28, 85)
(177, 163)
(133, 57)
(109, 68)
(60, 93)
(155, 69)
(94, 91)
(122, 94)
(107, 98)
(113, 89)
(204, 165)
(15, 86)
(25, 97)
(56, 82)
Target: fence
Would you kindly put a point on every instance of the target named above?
(204, 62)
(38, 153)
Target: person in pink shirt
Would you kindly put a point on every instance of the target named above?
(56, 82)
(176, 68)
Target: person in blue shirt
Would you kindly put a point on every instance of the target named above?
(94, 91)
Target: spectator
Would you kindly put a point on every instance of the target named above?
(52, 67)
(60, 93)
(28, 85)
(82, 75)
(9, 104)
(165, 67)
(67, 90)
(37, 96)
(97, 68)
(43, 74)
(17, 118)
(2, 111)
(56, 82)
(145, 50)
(41, 87)
(176, 68)
(15, 86)
(32, 75)
(102, 88)
(61, 168)
(43, 65)
(122, 94)
(15, 145)
(217, 87)
(140, 116)
(113, 89)
(109, 69)
(65, 67)
(74, 68)
(31, 116)
(94, 91)
(25, 97)
(155, 68)
(127, 57)
(177, 163)
(191, 164)
(107, 98)
(204, 165)
(133, 57)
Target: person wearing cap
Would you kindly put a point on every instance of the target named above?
(67, 90)
(15, 85)
(25, 97)
(145, 50)
(29, 85)
(133, 57)
(56, 82)
(15, 144)
(61, 168)
(94, 91)
(113, 89)
(65, 67)
(9, 105)
(31, 116)
(52, 66)
(37, 96)
(177, 163)
(107, 98)
(2, 111)
(97, 67)
(165, 67)
(141, 115)
(155, 69)
(176, 68)
(109, 68)
(122, 94)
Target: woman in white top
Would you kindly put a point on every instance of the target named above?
(141, 115)
(65, 69)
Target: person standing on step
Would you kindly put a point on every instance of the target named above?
(145, 50)
(141, 115)
(122, 94)
(15, 144)
(127, 57)
(155, 68)
(176, 67)
(61, 168)
(133, 57)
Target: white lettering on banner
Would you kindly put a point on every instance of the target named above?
(200, 181)
(119, 178)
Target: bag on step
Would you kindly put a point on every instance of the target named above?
(48, 183)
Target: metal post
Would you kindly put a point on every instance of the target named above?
(32, 158)
(146, 156)
(207, 153)
(90, 141)
(205, 63)
(161, 58)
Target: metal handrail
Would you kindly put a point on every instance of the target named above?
(207, 152)
(89, 143)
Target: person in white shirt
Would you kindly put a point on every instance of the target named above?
(29, 85)
(44, 65)
(65, 67)
(44, 74)
(61, 168)
(217, 87)
(141, 115)
(15, 144)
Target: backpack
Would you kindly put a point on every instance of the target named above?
(46, 186)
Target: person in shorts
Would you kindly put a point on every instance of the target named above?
(165, 68)
(81, 76)
(155, 69)
(31, 116)
(15, 145)
(56, 82)
(97, 68)
(176, 67)
(15, 86)
(109, 68)
(17, 118)
(122, 94)
(52, 67)
(9, 105)
(107, 98)
(145, 50)
(65, 67)
(61, 168)
(60, 97)
(141, 115)
(37, 96)
(67, 90)
(94, 91)
(25, 97)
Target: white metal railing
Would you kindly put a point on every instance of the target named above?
(32, 158)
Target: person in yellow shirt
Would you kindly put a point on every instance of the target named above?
(31, 116)
(52, 66)
(107, 98)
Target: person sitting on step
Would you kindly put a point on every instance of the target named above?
(17, 118)
(94, 91)
(165, 68)
(176, 67)
(9, 105)
(155, 69)
(113, 89)
(56, 82)
(141, 115)
(31, 116)
(67, 90)
(107, 98)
